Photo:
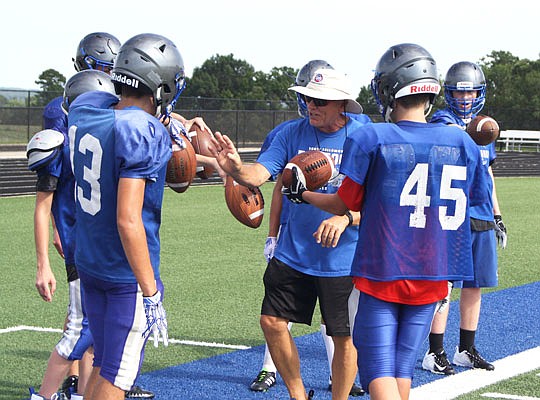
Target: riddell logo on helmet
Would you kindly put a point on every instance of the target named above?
(425, 88)
(125, 80)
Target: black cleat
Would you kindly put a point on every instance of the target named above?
(137, 392)
(264, 381)
(472, 359)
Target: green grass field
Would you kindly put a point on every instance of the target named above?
(212, 267)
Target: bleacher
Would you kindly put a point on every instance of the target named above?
(515, 140)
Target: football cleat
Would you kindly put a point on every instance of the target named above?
(437, 363)
(471, 359)
(137, 392)
(356, 390)
(264, 381)
(70, 385)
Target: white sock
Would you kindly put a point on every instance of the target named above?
(329, 345)
(268, 363)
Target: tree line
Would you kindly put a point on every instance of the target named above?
(225, 83)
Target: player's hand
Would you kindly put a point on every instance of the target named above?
(225, 153)
(269, 248)
(295, 190)
(500, 231)
(330, 230)
(45, 283)
(196, 121)
(156, 319)
(178, 132)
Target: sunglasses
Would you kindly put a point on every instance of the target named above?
(317, 102)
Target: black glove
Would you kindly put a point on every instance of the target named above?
(295, 190)
(500, 231)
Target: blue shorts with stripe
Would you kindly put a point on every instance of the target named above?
(117, 322)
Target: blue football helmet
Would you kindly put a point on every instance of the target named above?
(465, 76)
(302, 79)
(96, 51)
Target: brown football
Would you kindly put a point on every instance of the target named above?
(315, 168)
(202, 144)
(246, 204)
(181, 167)
(483, 130)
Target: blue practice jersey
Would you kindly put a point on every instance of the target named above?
(63, 204)
(107, 145)
(296, 246)
(419, 181)
(488, 153)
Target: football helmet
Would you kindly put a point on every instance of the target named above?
(302, 79)
(403, 70)
(85, 81)
(152, 61)
(465, 76)
(96, 51)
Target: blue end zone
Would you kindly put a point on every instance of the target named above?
(508, 325)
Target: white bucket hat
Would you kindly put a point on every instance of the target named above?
(329, 84)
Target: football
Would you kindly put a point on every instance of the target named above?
(483, 130)
(245, 204)
(315, 168)
(181, 167)
(201, 143)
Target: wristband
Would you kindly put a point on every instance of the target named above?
(351, 219)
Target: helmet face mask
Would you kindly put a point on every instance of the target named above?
(403, 70)
(96, 50)
(465, 76)
(154, 62)
(302, 79)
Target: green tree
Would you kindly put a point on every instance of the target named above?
(513, 90)
(52, 85)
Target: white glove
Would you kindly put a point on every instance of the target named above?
(269, 248)
(500, 231)
(156, 319)
(178, 132)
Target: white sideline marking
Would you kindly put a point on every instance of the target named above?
(508, 396)
(465, 382)
(175, 341)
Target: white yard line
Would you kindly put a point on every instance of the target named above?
(465, 382)
(174, 341)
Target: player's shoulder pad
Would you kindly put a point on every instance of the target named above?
(43, 147)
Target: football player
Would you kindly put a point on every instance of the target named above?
(48, 155)
(465, 93)
(414, 195)
(118, 206)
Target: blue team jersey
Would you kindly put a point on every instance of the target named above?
(296, 246)
(107, 145)
(488, 153)
(419, 181)
(54, 117)
(63, 204)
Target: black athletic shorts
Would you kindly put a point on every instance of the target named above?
(292, 295)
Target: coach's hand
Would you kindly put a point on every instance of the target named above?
(500, 231)
(156, 319)
(269, 248)
(295, 190)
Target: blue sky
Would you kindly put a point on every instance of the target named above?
(350, 34)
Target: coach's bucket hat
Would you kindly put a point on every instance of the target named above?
(329, 84)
